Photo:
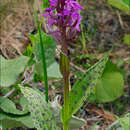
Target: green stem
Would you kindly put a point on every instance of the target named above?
(66, 102)
(65, 70)
(65, 127)
(43, 60)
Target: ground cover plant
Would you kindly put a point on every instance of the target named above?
(46, 66)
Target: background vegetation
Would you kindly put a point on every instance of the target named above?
(104, 29)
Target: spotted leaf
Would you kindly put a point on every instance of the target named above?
(41, 112)
(83, 86)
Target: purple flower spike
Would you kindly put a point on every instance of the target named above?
(63, 16)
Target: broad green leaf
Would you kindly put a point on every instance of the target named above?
(11, 121)
(49, 52)
(82, 87)
(53, 70)
(46, 39)
(49, 45)
(11, 69)
(127, 39)
(8, 106)
(41, 112)
(121, 4)
(111, 84)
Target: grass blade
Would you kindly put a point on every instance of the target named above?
(43, 58)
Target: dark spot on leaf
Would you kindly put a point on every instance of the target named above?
(74, 92)
(87, 84)
(36, 105)
(98, 77)
(84, 88)
(99, 72)
(40, 125)
(75, 102)
(43, 114)
(94, 78)
(95, 71)
(42, 122)
(72, 108)
(92, 85)
(30, 103)
(37, 112)
(89, 77)
(101, 66)
(101, 60)
(33, 117)
(84, 94)
(47, 120)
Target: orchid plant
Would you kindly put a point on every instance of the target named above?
(62, 21)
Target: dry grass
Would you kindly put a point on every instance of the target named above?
(16, 21)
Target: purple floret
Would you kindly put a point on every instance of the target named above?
(53, 3)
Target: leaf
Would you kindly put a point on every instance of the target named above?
(94, 126)
(111, 84)
(41, 112)
(9, 107)
(127, 39)
(125, 121)
(2, 127)
(11, 121)
(53, 71)
(74, 123)
(121, 4)
(46, 39)
(24, 103)
(82, 87)
(64, 65)
(11, 69)
(8, 123)
(49, 45)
